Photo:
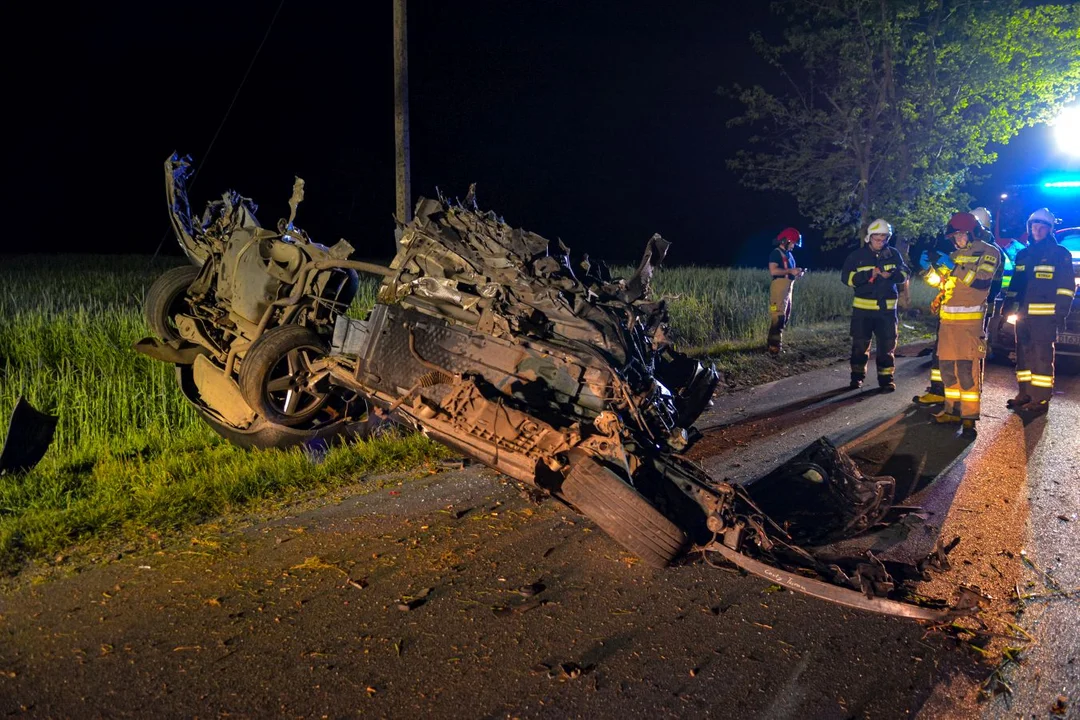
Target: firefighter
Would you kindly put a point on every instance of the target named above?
(875, 270)
(783, 272)
(961, 333)
(1041, 296)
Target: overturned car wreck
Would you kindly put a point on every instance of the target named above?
(495, 343)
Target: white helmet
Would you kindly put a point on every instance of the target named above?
(1042, 215)
(983, 216)
(879, 227)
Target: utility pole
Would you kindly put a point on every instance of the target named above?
(403, 209)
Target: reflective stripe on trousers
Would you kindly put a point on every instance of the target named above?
(961, 349)
(1035, 337)
(867, 325)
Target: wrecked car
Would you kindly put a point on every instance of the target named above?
(244, 320)
(493, 341)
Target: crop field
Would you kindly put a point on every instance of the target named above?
(130, 454)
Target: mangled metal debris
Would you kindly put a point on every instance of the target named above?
(492, 341)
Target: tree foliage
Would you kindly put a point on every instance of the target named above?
(887, 108)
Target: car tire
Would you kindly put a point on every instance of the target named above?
(620, 511)
(264, 435)
(164, 299)
(274, 366)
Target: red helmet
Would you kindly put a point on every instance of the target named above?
(965, 222)
(789, 235)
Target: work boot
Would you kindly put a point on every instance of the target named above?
(945, 418)
(887, 387)
(855, 384)
(968, 426)
(928, 398)
(775, 350)
(1016, 402)
(1033, 407)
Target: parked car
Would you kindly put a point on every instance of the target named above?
(1001, 329)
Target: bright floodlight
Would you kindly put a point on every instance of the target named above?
(1067, 130)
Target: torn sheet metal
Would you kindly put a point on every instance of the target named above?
(29, 434)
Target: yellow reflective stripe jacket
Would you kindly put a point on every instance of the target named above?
(874, 293)
(974, 269)
(1043, 279)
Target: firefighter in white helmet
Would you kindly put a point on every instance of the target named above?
(1041, 296)
(961, 345)
(783, 271)
(875, 270)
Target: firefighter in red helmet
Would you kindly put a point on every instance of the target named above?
(961, 345)
(783, 272)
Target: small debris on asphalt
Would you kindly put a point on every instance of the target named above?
(1060, 706)
(533, 589)
(571, 671)
(411, 602)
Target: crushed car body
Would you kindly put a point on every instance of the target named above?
(492, 341)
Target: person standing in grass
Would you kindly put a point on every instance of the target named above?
(875, 271)
(783, 272)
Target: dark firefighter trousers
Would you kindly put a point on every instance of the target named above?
(879, 325)
(1035, 337)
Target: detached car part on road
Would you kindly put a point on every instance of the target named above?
(492, 341)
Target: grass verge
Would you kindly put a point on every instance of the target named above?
(745, 363)
(172, 485)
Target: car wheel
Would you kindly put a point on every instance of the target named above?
(165, 299)
(621, 512)
(264, 435)
(276, 379)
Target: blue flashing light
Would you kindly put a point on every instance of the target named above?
(1062, 184)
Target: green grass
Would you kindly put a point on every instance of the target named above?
(713, 306)
(128, 448)
(131, 454)
(723, 314)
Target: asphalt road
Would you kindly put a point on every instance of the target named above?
(458, 595)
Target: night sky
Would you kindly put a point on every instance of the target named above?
(596, 122)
